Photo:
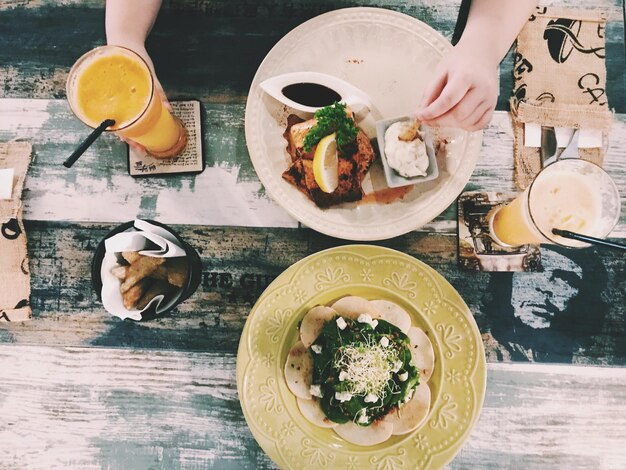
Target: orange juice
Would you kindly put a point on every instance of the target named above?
(569, 195)
(111, 82)
(509, 225)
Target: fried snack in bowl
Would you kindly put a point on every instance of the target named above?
(143, 278)
(143, 269)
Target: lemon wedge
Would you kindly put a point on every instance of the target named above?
(326, 164)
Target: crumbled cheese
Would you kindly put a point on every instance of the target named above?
(362, 419)
(367, 318)
(316, 348)
(370, 398)
(316, 391)
(403, 376)
(409, 396)
(343, 375)
(343, 396)
(384, 341)
(341, 323)
(397, 366)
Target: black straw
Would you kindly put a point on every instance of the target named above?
(588, 239)
(87, 142)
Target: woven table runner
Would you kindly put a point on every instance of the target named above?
(559, 80)
(14, 270)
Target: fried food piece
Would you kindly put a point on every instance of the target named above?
(147, 276)
(177, 271)
(295, 176)
(160, 272)
(143, 267)
(297, 133)
(135, 292)
(348, 190)
(158, 287)
(120, 272)
(352, 166)
(131, 256)
(365, 155)
(173, 271)
(412, 132)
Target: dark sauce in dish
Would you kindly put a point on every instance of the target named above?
(311, 94)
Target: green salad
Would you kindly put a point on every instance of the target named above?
(362, 369)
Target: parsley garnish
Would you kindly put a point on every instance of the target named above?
(331, 119)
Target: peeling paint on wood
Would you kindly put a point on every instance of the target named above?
(549, 417)
(120, 408)
(585, 312)
(170, 401)
(99, 188)
(37, 47)
(56, 193)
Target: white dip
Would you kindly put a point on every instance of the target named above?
(407, 158)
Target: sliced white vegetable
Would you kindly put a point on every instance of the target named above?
(299, 371)
(353, 306)
(413, 413)
(393, 314)
(313, 323)
(312, 411)
(423, 353)
(371, 435)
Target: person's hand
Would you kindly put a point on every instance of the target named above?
(463, 90)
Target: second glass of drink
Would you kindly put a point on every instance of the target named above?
(571, 194)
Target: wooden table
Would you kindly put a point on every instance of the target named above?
(81, 389)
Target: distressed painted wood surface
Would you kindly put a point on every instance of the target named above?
(210, 50)
(585, 310)
(81, 389)
(99, 189)
(127, 408)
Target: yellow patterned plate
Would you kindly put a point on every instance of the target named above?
(457, 385)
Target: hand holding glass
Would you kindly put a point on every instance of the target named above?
(111, 82)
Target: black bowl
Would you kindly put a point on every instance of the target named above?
(194, 267)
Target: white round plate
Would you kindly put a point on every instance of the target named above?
(389, 56)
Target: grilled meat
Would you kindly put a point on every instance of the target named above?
(353, 165)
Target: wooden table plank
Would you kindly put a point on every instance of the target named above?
(161, 394)
(99, 189)
(549, 417)
(589, 325)
(37, 47)
(120, 408)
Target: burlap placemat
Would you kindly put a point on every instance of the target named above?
(14, 270)
(559, 80)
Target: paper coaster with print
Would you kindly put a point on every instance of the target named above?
(189, 162)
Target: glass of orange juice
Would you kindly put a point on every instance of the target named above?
(112, 82)
(571, 194)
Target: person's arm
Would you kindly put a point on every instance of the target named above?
(128, 23)
(464, 89)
